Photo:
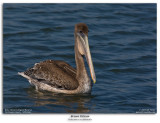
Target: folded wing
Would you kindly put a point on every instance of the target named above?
(54, 73)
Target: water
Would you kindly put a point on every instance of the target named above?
(122, 41)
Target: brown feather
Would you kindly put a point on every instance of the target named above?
(55, 73)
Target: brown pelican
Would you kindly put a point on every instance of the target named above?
(60, 77)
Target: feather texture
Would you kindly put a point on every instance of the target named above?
(54, 73)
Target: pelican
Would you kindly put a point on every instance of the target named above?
(58, 76)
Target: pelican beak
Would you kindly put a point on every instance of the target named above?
(86, 51)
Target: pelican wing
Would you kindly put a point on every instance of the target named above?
(54, 73)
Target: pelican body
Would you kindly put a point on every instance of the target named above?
(58, 76)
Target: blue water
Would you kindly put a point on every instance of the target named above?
(122, 41)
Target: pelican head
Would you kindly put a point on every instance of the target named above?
(81, 34)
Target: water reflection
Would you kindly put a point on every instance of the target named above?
(71, 103)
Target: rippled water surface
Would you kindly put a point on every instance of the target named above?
(122, 41)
